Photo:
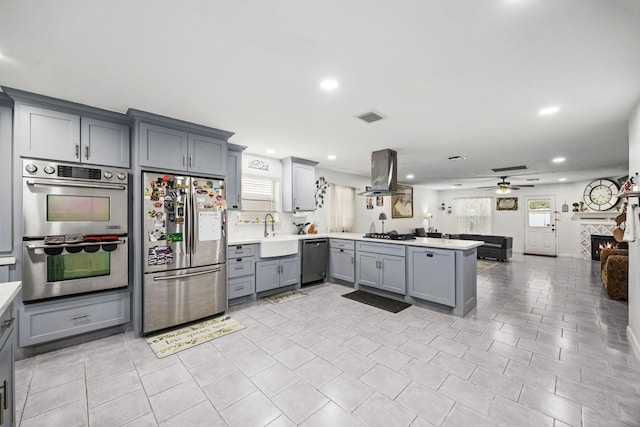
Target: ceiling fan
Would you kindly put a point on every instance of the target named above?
(504, 187)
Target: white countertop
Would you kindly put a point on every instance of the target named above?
(8, 292)
(419, 241)
(7, 260)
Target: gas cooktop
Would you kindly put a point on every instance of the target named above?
(390, 236)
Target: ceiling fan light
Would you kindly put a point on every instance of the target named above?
(503, 190)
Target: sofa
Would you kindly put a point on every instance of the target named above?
(498, 247)
(614, 272)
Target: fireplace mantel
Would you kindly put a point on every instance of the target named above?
(598, 216)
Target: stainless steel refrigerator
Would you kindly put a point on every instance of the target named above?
(184, 249)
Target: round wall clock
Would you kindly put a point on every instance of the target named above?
(600, 194)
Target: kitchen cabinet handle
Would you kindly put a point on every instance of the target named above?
(80, 316)
(351, 260)
(86, 152)
(238, 267)
(5, 388)
(184, 160)
(341, 250)
(190, 161)
(77, 151)
(239, 288)
(429, 255)
(1, 410)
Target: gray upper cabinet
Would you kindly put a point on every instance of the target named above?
(104, 142)
(162, 147)
(207, 155)
(234, 177)
(171, 144)
(55, 129)
(47, 134)
(298, 184)
(5, 176)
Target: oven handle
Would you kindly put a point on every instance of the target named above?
(57, 183)
(180, 276)
(65, 245)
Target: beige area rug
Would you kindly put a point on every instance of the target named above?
(172, 342)
(285, 296)
(483, 265)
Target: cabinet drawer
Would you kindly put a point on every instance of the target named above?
(241, 266)
(50, 321)
(239, 251)
(381, 248)
(341, 244)
(241, 287)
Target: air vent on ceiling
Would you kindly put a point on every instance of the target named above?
(370, 117)
(511, 168)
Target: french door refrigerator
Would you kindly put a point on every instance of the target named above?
(184, 249)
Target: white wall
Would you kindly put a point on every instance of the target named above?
(512, 223)
(424, 200)
(633, 330)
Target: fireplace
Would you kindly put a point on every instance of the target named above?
(599, 242)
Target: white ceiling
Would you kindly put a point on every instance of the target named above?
(452, 77)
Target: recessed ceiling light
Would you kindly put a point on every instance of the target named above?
(331, 157)
(562, 179)
(271, 151)
(558, 160)
(410, 176)
(549, 110)
(329, 84)
(456, 185)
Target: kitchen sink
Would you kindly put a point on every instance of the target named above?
(278, 246)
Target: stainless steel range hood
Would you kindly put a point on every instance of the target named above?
(384, 173)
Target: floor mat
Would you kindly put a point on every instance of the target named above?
(284, 297)
(484, 264)
(377, 301)
(172, 342)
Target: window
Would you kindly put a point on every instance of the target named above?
(258, 193)
(539, 213)
(474, 215)
(342, 208)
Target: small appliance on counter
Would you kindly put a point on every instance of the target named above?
(392, 235)
(301, 227)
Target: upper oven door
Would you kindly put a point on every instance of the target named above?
(57, 207)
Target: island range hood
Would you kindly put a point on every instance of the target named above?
(384, 174)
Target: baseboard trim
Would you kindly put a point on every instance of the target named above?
(635, 345)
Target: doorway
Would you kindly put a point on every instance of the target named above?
(540, 226)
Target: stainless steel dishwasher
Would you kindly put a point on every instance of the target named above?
(314, 260)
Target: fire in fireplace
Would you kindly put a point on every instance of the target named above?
(599, 242)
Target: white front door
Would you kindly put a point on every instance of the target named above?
(540, 226)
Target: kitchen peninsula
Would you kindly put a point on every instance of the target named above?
(439, 273)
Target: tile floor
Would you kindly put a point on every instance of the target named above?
(546, 348)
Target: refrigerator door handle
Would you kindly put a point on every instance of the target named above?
(194, 215)
(180, 276)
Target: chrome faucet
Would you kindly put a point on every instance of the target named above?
(266, 233)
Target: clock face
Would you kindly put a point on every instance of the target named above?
(599, 195)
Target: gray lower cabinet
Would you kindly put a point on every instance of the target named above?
(7, 372)
(277, 273)
(431, 275)
(381, 266)
(241, 270)
(53, 320)
(342, 263)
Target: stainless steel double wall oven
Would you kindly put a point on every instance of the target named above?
(74, 230)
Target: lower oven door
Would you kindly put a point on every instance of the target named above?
(51, 271)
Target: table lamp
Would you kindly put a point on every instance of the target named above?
(382, 217)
